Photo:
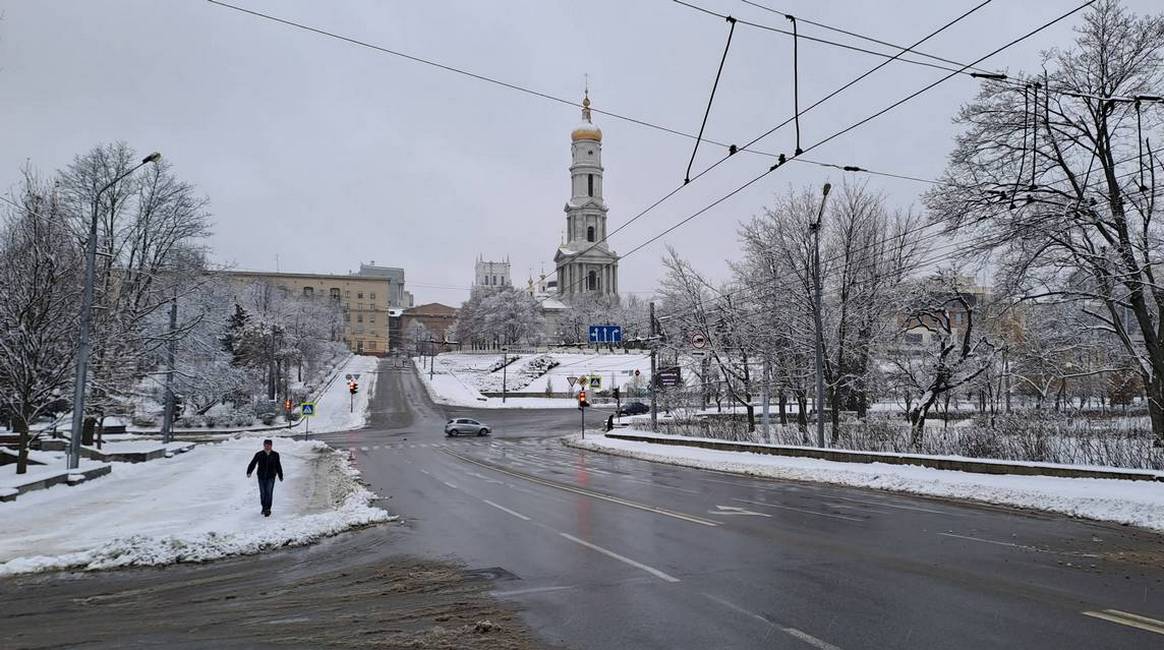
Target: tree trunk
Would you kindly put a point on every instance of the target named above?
(1155, 395)
(836, 414)
(782, 397)
(87, 428)
(20, 425)
(802, 413)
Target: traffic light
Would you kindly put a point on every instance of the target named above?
(615, 392)
(582, 402)
(353, 386)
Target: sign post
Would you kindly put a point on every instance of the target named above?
(307, 409)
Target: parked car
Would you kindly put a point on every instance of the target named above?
(460, 426)
(634, 408)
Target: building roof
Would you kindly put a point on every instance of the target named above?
(273, 275)
(432, 309)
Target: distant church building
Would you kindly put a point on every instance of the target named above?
(585, 263)
(492, 274)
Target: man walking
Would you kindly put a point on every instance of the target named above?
(269, 466)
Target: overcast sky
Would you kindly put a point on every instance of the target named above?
(324, 154)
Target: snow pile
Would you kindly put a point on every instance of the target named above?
(194, 507)
(1137, 503)
(334, 409)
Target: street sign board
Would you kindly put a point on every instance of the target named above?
(596, 382)
(699, 354)
(348, 376)
(308, 409)
(572, 380)
(356, 376)
(698, 341)
(669, 377)
(605, 334)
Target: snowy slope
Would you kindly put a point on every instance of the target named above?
(1138, 503)
(196, 506)
(334, 410)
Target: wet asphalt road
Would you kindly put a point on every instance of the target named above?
(604, 552)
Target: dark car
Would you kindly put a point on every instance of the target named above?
(465, 425)
(634, 408)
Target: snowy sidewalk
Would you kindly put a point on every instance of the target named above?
(450, 389)
(193, 507)
(1137, 503)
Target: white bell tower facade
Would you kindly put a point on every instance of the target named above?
(585, 263)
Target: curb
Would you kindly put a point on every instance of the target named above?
(845, 456)
(57, 479)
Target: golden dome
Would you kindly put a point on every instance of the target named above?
(586, 130)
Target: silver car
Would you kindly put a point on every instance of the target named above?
(466, 426)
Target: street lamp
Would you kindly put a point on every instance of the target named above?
(86, 317)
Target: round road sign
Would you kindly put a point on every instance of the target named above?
(698, 341)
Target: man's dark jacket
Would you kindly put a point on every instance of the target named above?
(268, 464)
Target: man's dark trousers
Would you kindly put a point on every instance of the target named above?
(266, 492)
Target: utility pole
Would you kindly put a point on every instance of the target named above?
(504, 369)
(431, 358)
(654, 406)
(171, 353)
(85, 325)
(819, 402)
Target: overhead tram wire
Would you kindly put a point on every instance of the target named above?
(732, 150)
(859, 35)
(866, 120)
(823, 41)
(714, 86)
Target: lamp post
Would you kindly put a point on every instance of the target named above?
(819, 401)
(87, 317)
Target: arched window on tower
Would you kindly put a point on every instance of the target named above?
(592, 280)
(590, 233)
(589, 184)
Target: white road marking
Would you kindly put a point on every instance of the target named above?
(733, 510)
(376, 448)
(363, 449)
(807, 512)
(449, 484)
(484, 478)
(590, 493)
(880, 504)
(425, 471)
(989, 541)
(625, 560)
(504, 509)
(791, 631)
(1129, 619)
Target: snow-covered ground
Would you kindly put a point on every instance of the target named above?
(459, 379)
(334, 409)
(193, 507)
(1138, 503)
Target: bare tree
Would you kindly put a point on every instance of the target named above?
(1058, 175)
(39, 300)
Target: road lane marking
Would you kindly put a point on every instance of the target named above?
(449, 484)
(590, 493)
(807, 512)
(425, 471)
(880, 504)
(791, 631)
(626, 560)
(733, 510)
(504, 509)
(363, 449)
(1128, 619)
(485, 478)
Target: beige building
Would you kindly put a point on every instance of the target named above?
(364, 300)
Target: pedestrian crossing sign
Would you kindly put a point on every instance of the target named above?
(308, 409)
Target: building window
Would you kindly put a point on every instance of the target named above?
(371, 296)
(360, 295)
(335, 293)
(308, 292)
(371, 346)
(590, 184)
(372, 318)
(359, 318)
(592, 279)
(590, 233)
(359, 346)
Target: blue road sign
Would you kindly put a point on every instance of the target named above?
(605, 334)
(308, 409)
